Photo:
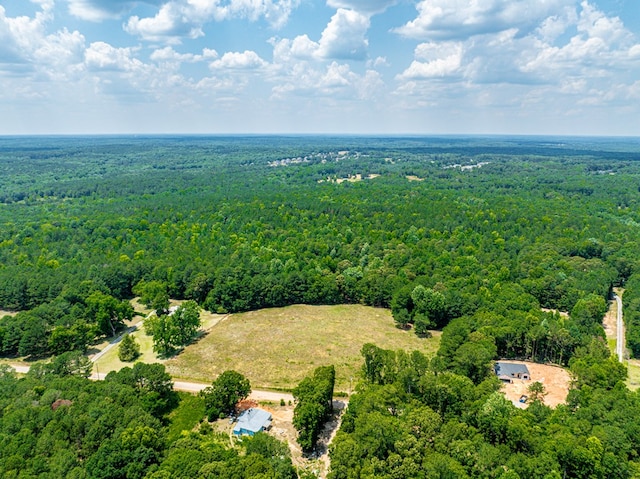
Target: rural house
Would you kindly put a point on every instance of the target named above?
(509, 371)
(252, 421)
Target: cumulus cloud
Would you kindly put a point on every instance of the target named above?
(102, 56)
(99, 10)
(459, 19)
(345, 36)
(363, 6)
(178, 19)
(25, 45)
(20, 36)
(435, 60)
(247, 60)
(497, 50)
(334, 81)
(168, 54)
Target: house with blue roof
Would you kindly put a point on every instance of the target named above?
(252, 421)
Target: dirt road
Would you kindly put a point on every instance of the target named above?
(192, 387)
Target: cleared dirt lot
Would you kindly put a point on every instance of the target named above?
(556, 381)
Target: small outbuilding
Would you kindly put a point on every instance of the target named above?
(507, 372)
(252, 421)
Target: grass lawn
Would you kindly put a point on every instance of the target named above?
(276, 348)
(110, 362)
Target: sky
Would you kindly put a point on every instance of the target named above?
(538, 67)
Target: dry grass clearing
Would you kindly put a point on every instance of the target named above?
(555, 379)
(111, 362)
(633, 378)
(4, 313)
(276, 348)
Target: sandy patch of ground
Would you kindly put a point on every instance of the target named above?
(4, 313)
(350, 178)
(555, 379)
(610, 320)
(414, 178)
(564, 314)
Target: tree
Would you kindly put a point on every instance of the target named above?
(107, 312)
(129, 349)
(161, 328)
(72, 363)
(537, 392)
(224, 393)
(173, 330)
(314, 403)
(154, 294)
(186, 322)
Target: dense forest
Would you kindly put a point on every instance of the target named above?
(474, 236)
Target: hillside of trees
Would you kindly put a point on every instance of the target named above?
(451, 227)
(473, 236)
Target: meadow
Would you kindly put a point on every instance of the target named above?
(276, 348)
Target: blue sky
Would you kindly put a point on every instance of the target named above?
(564, 67)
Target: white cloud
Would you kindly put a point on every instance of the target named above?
(459, 19)
(168, 54)
(102, 56)
(25, 46)
(363, 6)
(178, 19)
(434, 60)
(335, 81)
(20, 36)
(99, 10)
(170, 24)
(345, 36)
(378, 62)
(247, 60)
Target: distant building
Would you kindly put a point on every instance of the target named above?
(252, 421)
(509, 371)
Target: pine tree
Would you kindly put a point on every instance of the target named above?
(129, 349)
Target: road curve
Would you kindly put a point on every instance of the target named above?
(619, 330)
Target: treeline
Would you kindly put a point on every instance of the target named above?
(233, 233)
(314, 405)
(412, 418)
(55, 424)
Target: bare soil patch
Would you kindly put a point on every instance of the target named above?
(555, 379)
(564, 314)
(4, 313)
(610, 320)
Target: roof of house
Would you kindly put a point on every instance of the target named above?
(253, 420)
(510, 369)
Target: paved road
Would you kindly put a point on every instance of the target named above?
(619, 330)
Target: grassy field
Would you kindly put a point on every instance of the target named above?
(111, 362)
(633, 379)
(276, 348)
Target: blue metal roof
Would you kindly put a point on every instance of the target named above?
(252, 421)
